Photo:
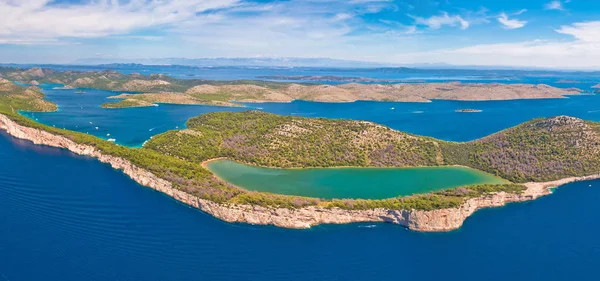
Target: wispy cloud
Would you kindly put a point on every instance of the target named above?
(582, 52)
(510, 23)
(583, 31)
(297, 28)
(554, 5)
(376, 30)
(35, 21)
(437, 21)
(520, 12)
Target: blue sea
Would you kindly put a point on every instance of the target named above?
(133, 126)
(69, 217)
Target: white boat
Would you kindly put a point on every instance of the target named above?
(111, 140)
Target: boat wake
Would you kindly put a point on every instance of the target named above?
(367, 226)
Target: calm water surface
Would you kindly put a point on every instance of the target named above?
(133, 126)
(364, 183)
(68, 217)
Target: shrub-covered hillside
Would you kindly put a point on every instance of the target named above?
(14, 97)
(284, 141)
(538, 150)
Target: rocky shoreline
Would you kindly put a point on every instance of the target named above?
(418, 220)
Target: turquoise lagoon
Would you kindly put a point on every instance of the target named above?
(363, 183)
(69, 217)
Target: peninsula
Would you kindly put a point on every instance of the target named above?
(141, 100)
(160, 88)
(533, 156)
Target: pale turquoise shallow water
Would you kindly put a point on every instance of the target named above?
(363, 183)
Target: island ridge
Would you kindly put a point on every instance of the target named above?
(548, 150)
(158, 88)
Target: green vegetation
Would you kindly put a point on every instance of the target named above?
(281, 141)
(449, 198)
(184, 175)
(162, 88)
(115, 81)
(137, 100)
(14, 97)
(126, 103)
(539, 150)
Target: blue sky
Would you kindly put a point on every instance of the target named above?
(543, 33)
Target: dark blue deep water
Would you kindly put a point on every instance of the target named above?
(68, 217)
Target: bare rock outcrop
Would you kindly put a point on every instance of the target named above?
(418, 220)
(142, 85)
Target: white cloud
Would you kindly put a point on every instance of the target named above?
(342, 16)
(317, 28)
(554, 5)
(522, 54)
(35, 21)
(436, 22)
(583, 31)
(520, 12)
(582, 52)
(510, 23)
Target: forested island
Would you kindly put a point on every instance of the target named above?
(160, 88)
(541, 150)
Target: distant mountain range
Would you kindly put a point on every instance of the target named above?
(241, 62)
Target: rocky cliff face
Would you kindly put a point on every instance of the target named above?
(436, 220)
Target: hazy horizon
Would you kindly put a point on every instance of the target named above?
(561, 34)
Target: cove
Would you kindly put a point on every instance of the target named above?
(438, 119)
(357, 183)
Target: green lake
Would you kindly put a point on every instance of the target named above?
(365, 183)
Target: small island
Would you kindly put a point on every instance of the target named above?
(158, 88)
(143, 100)
(468, 110)
(126, 103)
(552, 151)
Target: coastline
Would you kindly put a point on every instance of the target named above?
(417, 220)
